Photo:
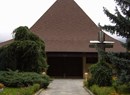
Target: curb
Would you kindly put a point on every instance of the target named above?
(88, 91)
(38, 93)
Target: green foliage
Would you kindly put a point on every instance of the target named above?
(85, 83)
(123, 89)
(19, 79)
(121, 67)
(6, 58)
(120, 64)
(102, 90)
(21, 91)
(120, 19)
(23, 33)
(101, 74)
(26, 53)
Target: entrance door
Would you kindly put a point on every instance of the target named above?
(65, 66)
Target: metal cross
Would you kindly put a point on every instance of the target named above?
(101, 44)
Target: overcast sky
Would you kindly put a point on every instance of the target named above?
(15, 13)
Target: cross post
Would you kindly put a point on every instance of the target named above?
(101, 44)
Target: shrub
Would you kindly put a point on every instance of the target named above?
(101, 74)
(19, 79)
(26, 53)
(21, 91)
(125, 89)
(45, 82)
(85, 83)
(102, 90)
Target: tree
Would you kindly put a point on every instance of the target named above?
(118, 63)
(121, 26)
(120, 20)
(26, 53)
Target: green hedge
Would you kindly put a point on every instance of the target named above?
(23, 79)
(103, 90)
(21, 91)
(108, 90)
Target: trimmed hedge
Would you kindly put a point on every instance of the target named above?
(23, 79)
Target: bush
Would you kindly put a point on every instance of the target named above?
(19, 79)
(85, 83)
(101, 75)
(26, 53)
(103, 90)
(45, 82)
(123, 89)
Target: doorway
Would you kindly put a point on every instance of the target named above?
(65, 67)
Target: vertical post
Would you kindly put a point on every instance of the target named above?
(84, 65)
(101, 38)
(128, 45)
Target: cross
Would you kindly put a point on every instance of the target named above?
(101, 44)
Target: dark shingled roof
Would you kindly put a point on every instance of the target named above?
(66, 28)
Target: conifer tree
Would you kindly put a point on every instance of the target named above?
(121, 19)
(120, 26)
(26, 53)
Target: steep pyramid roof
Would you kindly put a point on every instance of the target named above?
(66, 28)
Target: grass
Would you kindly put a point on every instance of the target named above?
(103, 90)
(107, 90)
(21, 91)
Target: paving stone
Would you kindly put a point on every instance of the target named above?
(66, 87)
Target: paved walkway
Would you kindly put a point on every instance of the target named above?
(66, 87)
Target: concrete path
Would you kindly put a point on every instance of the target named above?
(66, 87)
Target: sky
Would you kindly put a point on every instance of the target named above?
(15, 13)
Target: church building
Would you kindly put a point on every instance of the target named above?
(67, 31)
